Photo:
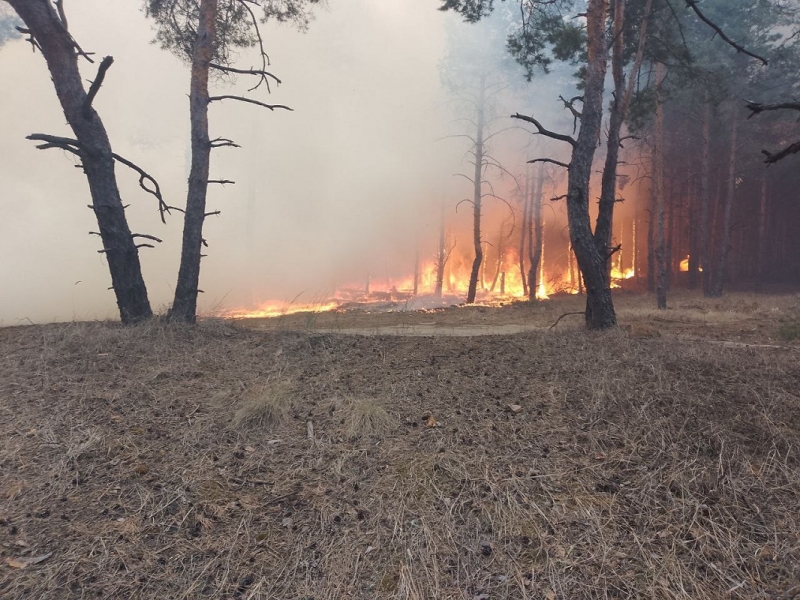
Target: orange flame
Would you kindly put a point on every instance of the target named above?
(501, 287)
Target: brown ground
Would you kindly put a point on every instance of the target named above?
(660, 460)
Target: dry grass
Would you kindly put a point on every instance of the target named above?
(264, 406)
(638, 466)
(363, 417)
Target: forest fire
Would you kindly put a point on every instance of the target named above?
(497, 285)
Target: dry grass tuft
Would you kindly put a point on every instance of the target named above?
(264, 406)
(363, 417)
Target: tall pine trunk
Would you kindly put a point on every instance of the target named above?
(658, 193)
(705, 198)
(441, 257)
(184, 306)
(762, 235)
(524, 233)
(94, 150)
(591, 260)
(477, 197)
(727, 210)
(536, 245)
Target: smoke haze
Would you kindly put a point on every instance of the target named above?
(342, 186)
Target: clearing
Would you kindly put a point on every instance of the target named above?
(294, 458)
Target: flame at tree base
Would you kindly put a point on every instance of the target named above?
(398, 294)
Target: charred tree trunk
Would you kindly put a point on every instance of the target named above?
(526, 211)
(184, 306)
(536, 246)
(658, 194)
(762, 237)
(94, 149)
(441, 258)
(727, 209)
(499, 262)
(705, 199)
(477, 198)
(416, 267)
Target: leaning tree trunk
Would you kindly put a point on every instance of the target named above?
(94, 150)
(658, 193)
(184, 306)
(476, 199)
(591, 260)
(536, 246)
(720, 271)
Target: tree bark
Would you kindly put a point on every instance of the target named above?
(658, 195)
(526, 210)
(536, 246)
(762, 235)
(441, 258)
(184, 306)
(694, 241)
(477, 197)
(619, 109)
(95, 153)
(591, 260)
(705, 199)
(727, 209)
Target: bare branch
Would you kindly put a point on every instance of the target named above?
(545, 132)
(95, 87)
(551, 161)
(249, 100)
(259, 72)
(145, 246)
(221, 181)
(757, 107)
(263, 53)
(467, 200)
(31, 40)
(143, 177)
(693, 5)
(576, 114)
(146, 236)
(565, 315)
(223, 142)
(789, 150)
(54, 141)
(213, 213)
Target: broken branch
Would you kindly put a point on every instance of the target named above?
(95, 87)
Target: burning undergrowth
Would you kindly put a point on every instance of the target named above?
(561, 465)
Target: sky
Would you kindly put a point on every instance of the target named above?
(344, 185)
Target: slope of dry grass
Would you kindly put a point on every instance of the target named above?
(394, 467)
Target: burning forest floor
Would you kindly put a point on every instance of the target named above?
(235, 462)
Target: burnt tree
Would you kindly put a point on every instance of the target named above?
(205, 33)
(46, 28)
